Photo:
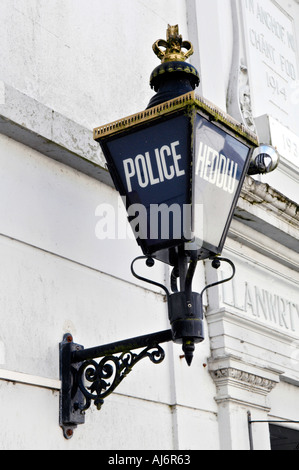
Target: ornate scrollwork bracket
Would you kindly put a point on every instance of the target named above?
(98, 380)
(84, 380)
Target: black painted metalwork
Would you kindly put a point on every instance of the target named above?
(113, 368)
(84, 380)
(185, 308)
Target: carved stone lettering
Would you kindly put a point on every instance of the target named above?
(271, 308)
(272, 60)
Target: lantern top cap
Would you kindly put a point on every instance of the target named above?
(173, 46)
(184, 102)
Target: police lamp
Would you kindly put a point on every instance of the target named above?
(179, 167)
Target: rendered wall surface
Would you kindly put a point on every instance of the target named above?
(65, 68)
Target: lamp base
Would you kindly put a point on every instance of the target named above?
(185, 313)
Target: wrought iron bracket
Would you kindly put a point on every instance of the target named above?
(83, 380)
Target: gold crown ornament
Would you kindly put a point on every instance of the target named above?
(174, 76)
(173, 46)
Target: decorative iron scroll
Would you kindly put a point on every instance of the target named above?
(106, 375)
(83, 379)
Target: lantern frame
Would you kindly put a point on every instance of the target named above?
(148, 122)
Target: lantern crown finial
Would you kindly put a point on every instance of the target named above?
(174, 76)
(173, 46)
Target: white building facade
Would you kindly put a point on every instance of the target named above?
(66, 248)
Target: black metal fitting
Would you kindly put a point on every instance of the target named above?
(84, 380)
(172, 79)
(186, 319)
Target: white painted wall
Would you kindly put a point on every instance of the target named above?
(59, 277)
(83, 59)
(91, 62)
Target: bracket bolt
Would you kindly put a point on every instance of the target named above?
(150, 262)
(216, 263)
(69, 433)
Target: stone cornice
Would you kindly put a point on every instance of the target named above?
(244, 379)
(256, 192)
(35, 125)
(269, 212)
(242, 382)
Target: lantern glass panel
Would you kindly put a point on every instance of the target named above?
(151, 168)
(220, 164)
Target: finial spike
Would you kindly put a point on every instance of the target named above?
(188, 348)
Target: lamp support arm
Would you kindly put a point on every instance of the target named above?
(83, 380)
